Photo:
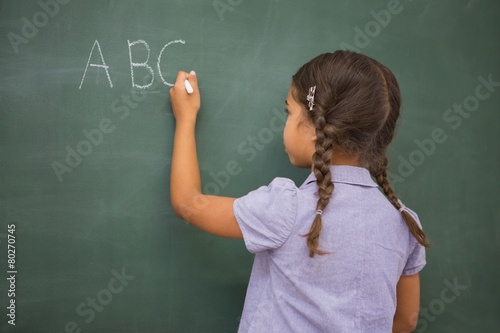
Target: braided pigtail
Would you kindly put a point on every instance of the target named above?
(355, 110)
(321, 162)
(380, 175)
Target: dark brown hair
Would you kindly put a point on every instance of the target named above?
(356, 108)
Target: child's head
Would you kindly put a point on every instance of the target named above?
(350, 102)
(355, 97)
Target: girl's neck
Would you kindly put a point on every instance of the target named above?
(341, 158)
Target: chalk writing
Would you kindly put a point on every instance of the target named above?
(101, 64)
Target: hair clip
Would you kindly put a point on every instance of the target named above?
(310, 97)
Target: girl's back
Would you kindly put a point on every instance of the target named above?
(352, 289)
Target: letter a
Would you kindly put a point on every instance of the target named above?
(103, 65)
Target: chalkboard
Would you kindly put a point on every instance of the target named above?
(86, 133)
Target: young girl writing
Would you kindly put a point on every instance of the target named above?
(335, 254)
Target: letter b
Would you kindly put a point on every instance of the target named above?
(140, 64)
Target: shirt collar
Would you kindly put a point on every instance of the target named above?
(347, 175)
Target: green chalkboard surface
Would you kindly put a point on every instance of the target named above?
(89, 241)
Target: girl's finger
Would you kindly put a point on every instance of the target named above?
(193, 79)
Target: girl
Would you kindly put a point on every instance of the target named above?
(335, 254)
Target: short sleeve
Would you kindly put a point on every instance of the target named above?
(416, 258)
(266, 216)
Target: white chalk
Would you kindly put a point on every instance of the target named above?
(188, 86)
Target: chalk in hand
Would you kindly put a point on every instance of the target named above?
(188, 86)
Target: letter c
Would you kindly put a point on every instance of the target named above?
(159, 59)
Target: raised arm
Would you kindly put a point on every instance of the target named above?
(213, 214)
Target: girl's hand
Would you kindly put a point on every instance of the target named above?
(184, 105)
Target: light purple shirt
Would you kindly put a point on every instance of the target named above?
(351, 290)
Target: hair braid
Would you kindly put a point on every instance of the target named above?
(380, 174)
(356, 108)
(321, 162)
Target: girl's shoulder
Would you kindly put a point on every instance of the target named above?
(266, 215)
(411, 212)
(279, 186)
